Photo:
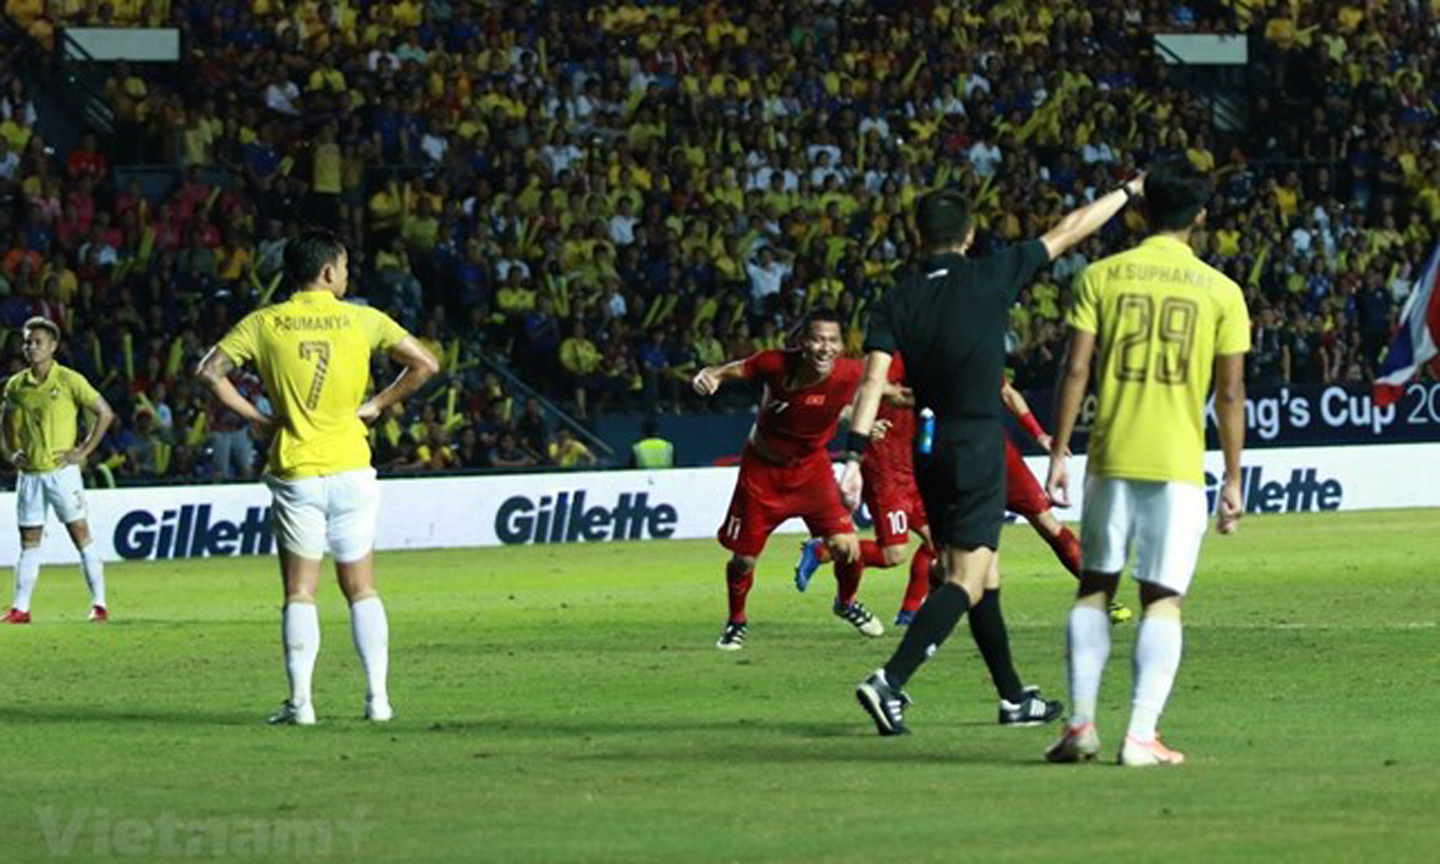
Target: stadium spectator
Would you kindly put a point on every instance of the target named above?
(670, 169)
(508, 453)
(566, 451)
(232, 451)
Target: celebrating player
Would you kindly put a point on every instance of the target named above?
(313, 353)
(893, 499)
(893, 502)
(1163, 321)
(785, 471)
(37, 433)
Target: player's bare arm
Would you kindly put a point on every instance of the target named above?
(1074, 380)
(419, 364)
(101, 416)
(1019, 408)
(214, 372)
(12, 452)
(862, 423)
(1080, 223)
(712, 378)
(1230, 416)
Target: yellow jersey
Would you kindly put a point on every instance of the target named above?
(313, 352)
(1160, 316)
(44, 413)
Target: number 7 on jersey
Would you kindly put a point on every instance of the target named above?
(320, 352)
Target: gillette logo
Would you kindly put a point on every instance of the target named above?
(1303, 492)
(188, 532)
(564, 518)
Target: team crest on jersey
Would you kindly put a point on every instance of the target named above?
(815, 399)
(54, 392)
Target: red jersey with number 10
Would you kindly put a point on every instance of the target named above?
(891, 460)
(799, 423)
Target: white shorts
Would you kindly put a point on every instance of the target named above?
(1162, 522)
(336, 512)
(63, 489)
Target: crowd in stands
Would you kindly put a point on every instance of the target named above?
(601, 197)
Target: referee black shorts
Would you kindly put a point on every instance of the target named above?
(963, 485)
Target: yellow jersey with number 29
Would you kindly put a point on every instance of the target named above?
(1160, 316)
(313, 352)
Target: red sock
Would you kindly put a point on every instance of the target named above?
(847, 581)
(872, 553)
(738, 579)
(822, 553)
(919, 587)
(1067, 549)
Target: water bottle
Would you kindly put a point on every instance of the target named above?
(925, 441)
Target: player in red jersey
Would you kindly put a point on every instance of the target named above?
(1024, 497)
(893, 501)
(785, 470)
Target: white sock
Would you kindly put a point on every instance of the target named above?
(372, 640)
(1089, 649)
(301, 631)
(1157, 657)
(94, 570)
(27, 573)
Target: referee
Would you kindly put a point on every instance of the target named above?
(948, 317)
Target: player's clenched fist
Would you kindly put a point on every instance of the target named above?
(1057, 485)
(1231, 506)
(707, 381)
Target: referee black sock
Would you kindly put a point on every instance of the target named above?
(932, 625)
(987, 625)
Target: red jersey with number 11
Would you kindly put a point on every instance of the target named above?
(799, 423)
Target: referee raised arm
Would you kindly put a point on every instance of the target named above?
(948, 317)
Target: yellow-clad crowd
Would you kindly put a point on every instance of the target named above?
(606, 195)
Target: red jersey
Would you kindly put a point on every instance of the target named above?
(799, 423)
(891, 460)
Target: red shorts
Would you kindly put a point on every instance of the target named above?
(767, 495)
(1023, 494)
(896, 509)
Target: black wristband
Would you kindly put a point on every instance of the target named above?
(1129, 196)
(855, 445)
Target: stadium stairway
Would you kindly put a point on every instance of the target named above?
(67, 88)
(517, 388)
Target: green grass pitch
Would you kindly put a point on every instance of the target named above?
(565, 704)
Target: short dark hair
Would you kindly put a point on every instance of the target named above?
(40, 322)
(943, 218)
(307, 253)
(822, 314)
(1175, 193)
(650, 428)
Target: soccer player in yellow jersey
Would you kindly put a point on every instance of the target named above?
(37, 435)
(1157, 322)
(313, 353)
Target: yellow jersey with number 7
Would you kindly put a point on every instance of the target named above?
(1160, 316)
(313, 352)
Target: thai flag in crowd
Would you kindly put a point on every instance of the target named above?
(1416, 338)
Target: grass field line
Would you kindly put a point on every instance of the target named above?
(1306, 625)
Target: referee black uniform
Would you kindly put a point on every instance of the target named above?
(948, 318)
